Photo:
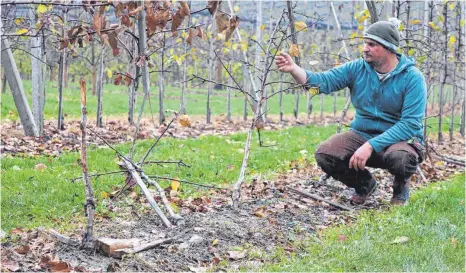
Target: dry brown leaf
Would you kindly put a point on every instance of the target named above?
(63, 44)
(117, 79)
(11, 266)
(342, 238)
(234, 22)
(236, 255)
(185, 121)
(17, 231)
(59, 266)
(200, 33)
(125, 20)
(213, 5)
(189, 40)
(104, 39)
(177, 20)
(128, 79)
(22, 249)
(41, 167)
(260, 212)
(222, 20)
(294, 50)
(135, 12)
(112, 40)
(97, 23)
(185, 11)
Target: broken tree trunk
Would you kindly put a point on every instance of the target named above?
(89, 205)
(16, 87)
(150, 198)
(318, 198)
(161, 192)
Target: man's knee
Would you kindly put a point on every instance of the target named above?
(401, 163)
(330, 164)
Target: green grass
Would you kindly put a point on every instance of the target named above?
(31, 198)
(434, 222)
(115, 102)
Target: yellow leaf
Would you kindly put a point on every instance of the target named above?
(184, 34)
(363, 18)
(236, 9)
(235, 46)
(421, 59)
(175, 185)
(441, 19)
(361, 27)
(462, 22)
(104, 195)
(411, 52)
(220, 36)
(300, 25)
(262, 27)
(184, 121)
(19, 20)
(179, 40)
(215, 242)
(109, 73)
(452, 40)
(402, 26)
(415, 22)
(244, 46)
(452, 6)
(41, 9)
(353, 35)
(314, 91)
(22, 31)
(294, 50)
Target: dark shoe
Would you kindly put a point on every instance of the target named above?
(400, 193)
(363, 192)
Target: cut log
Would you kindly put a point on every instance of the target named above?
(110, 246)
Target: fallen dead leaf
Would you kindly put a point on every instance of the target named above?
(453, 242)
(400, 240)
(260, 212)
(342, 238)
(236, 255)
(12, 266)
(41, 167)
(16, 231)
(22, 249)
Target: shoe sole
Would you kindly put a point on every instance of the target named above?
(367, 196)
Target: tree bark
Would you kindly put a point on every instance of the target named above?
(89, 206)
(3, 82)
(100, 87)
(445, 73)
(211, 68)
(162, 84)
(294, 40)
(94, 70)
(16, 87)
(132, 86)
(280, 99)
(61, 118)
(230, 82)
(37, 83)
(373, 11)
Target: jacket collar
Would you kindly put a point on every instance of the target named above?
(403, 63)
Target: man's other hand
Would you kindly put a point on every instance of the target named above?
(285, 63)
(360, 157)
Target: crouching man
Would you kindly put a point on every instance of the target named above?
(389, 95)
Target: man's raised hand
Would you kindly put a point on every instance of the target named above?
(284, 62)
